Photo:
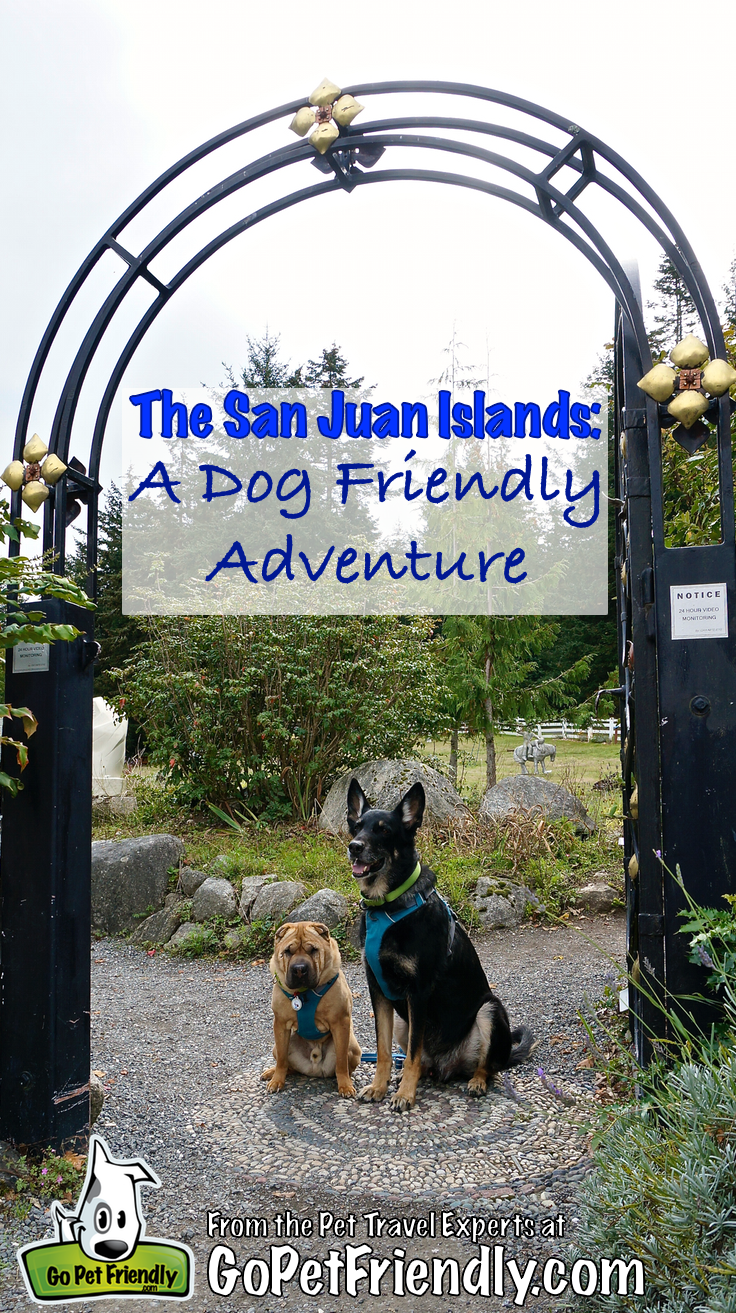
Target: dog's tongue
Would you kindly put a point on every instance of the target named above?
(359, 868)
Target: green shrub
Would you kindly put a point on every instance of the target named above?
(664, 1185)
(266, 711)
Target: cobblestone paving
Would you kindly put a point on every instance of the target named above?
(182, 1045)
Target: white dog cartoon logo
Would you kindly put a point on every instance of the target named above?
(107, 1223)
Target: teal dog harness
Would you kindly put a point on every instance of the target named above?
(305, 1006)
(377, 923)
(378, 920)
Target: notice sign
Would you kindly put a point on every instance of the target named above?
(699, 611)
(30, 656)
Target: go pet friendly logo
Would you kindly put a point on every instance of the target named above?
(98, 1251)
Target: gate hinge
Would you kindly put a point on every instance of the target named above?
(638, 487)
(634, 419)
(651, 924)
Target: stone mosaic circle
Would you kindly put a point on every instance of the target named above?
(450, 1143)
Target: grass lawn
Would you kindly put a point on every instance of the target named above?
(575, 764)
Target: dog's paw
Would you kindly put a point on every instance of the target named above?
(268, 1073)
(373, 1093)
(401, 1103)
(346, 1089)
(275, 1084)
(477, 1086)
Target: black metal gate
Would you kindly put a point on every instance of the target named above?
(686, 815)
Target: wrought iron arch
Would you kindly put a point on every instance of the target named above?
(582, 152)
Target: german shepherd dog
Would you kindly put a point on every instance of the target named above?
(420, 962)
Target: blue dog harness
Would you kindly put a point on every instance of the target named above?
(377, 922)
(305, 1006)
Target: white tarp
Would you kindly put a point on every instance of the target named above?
(108, 750)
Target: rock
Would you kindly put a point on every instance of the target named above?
(96, 1098)
(190, 880)
(130, 876)
(532, 794)
(500, 904)
(234, 938)
(384, 783)
(327, 906)
(159, 928)
(597, 897)
(183, 936)
(214, 897)
(275, 900)
(125, 805)
(251, 887)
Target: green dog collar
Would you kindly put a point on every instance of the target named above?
(396, 893)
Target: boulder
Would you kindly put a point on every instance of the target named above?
(327, 906)
(130, 876)
(275, 900)
(190, 880)
(597, 897)
(96, 1098)
(184, 935)
(214, 897)
(500, 904)
(234, 938)
(158, 928)
(384, 783)
(251, 887)
(532, 794)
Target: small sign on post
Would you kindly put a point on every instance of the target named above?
(29, 657)
(699, 610)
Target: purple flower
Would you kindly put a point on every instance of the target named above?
(658, 853)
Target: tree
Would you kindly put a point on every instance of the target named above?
(675, 309)
(330, 370)
(263, 367)
(491, 670)
(269, 710)
(116, 633)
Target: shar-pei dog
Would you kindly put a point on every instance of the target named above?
(312, 1008)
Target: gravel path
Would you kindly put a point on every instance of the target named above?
(183, 1043)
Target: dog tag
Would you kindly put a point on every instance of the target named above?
(296, 1003)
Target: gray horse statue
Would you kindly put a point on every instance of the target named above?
(534, 750)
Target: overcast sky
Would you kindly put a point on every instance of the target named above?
(100, 96)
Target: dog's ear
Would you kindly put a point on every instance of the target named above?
(321, 929)
(357, 804)
(282, 931)
(411, 808)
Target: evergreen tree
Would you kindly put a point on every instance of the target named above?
(729, 304)
(491, 671)
(264, 367)
(675, 309)
(330, 370)
(116, 633)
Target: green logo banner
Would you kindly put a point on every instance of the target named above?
(57, 1273)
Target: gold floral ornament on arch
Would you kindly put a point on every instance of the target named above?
(34, 478)
(328, 110)
(689, 389)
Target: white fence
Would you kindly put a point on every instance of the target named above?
(607, 730)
